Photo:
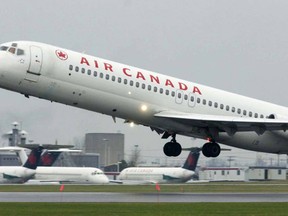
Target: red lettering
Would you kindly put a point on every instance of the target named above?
(125, 72)
(96, 64)
(108, 67)
(84, 61)
(196, 90)
(153, 78)
(168, 82)
(182, 86)
(140, 75)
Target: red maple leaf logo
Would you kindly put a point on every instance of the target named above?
(61, 54)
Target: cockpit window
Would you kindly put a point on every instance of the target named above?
(97, 173)
(3, 48)
(20, 52)
(12, 50)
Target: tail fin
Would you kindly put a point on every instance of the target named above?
(191, 161)
(48, 158)
(33, 158)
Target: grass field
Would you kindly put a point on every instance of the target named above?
(131, 209)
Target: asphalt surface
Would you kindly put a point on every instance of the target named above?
(140, 197)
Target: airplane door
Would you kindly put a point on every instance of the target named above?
(179, 97)
(191, 100)
(34, 70)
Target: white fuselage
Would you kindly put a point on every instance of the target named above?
(79, 175)
(133, 94)
(156, 174)
(15, 174)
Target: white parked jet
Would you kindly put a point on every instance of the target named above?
(47, 174)
(168, 105)
(161, 174)
(21, 174)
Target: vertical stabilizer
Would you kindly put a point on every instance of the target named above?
(33, 158)
(48, 158)
(191, 161)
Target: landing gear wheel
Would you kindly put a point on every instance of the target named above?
(211, 149)
(172, 149)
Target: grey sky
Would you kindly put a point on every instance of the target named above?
(238, 46)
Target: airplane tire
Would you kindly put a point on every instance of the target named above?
(172, 149)
(211, 149)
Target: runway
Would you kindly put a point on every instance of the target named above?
(140, 197)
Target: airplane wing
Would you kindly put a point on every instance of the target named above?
(214, 124)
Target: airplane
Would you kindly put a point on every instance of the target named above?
(161, 174)
(168, 105)
(48, 174)
(21, 174)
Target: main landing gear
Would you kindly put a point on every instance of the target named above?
(173, 148)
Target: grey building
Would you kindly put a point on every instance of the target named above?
(110, 146)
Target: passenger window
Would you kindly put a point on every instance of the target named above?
(161, 91)
(250, 114)
(149, 87)
(198, 100)
(179, 95)
(204, 101)
(210, 103)
(71, 67)
(89, 72)
(20, 52)
(131, 82)
(239, 111)
(76, 68)
(233, 109)
(137, 84)
(221, 106)
(244, 112)
(95, 73)
(113, 78)
(119, 80)
(261, 116)
(155, 89)
(83, 70)
(192, 98)
(101, 75)
(215, 104)
(185, 97)
(14, 45)
(143, 85)
(173, 93)
(107, 76)
(12, 50)
(227, 108)
(167, 92)
(125, 81)
(256, 115)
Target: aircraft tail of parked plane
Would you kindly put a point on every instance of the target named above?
(21, 174)
(168, 105)
(140, 175)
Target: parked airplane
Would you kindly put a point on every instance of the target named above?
(21, 174)
(168, 105)
(47, 174)
(161, 174)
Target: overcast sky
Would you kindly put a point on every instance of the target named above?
(238, 46)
